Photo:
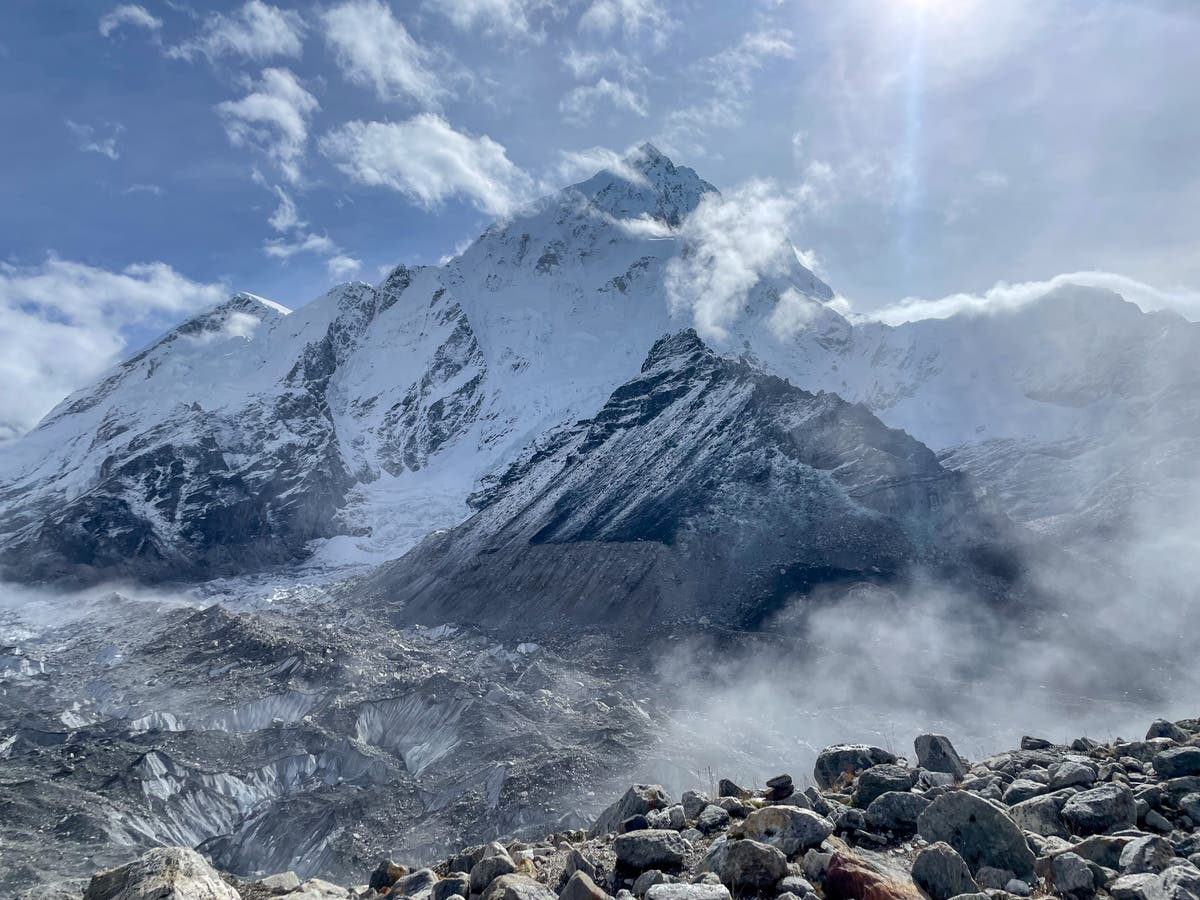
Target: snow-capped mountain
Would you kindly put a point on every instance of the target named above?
(345, 431)
(701, 490)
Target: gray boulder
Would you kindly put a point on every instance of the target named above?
(491, 867)
(1071, 874)
(164, 872)
(1024, 789)
(280, 883)
(895, 811)
(941, 873)
(789, 828)
(978, 831)
(1042, 815)
(1135, 887)
(694, 803)
(882, 779)
(937, 754)
(688, 892)
(1146, 854)
(712, 818)
(580, 887)
(1072, 774)
(1099, 809)
(1180, 883)
(456, 884)
(637, 801)
(1178, 762)
(649, 849)
(847, 759)
(418, 885)
(746, 865)
(518, 887)
(1162, 728)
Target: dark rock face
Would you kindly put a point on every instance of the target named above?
(937, 754)
(979, 832)
(940, 872)
(701, 488)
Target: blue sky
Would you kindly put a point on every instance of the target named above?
(158, 155)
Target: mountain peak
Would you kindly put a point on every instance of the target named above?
(646, 183)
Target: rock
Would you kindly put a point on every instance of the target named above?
(1102, 849)
(992, 878)
(1178, 762)
(281, 883)
(1018, 887)
(164, 872)
(734, 806)
(488, 869)
(895, 811)
(814, 863)
(1099, 809)
(416, 884)
(688, 892)
(577, 862)
(847, 759)
(711, 819)
(580, 887)
(1135, 887)
(319, 889)
(941, 873)
(1042, 815)
(1156, 821)
(937, 754)
(676, 817)
(747, 865)
(726, 788)
(647, 880)
(386, 874)
(638, 800)
(638, 851)
(789, 828)
(980, 833)
(1189, 805)
(1161, 728)
(1035, 743)
(1023, 789)
(882, 779)
(454, 884)
(849, 877)
(519, 887)
(780, 787)
(1072, 774)
(1146, 854)
(1180, 883)
(637, 822)
(694, 803)
(1071, 874)
(794, 884)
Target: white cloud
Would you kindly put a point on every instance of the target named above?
(632, 17)
(590, 63)
(342, 266)
(286, 216)
(730, 79)
(792, 314)
(256, 31)
(1004, 296)
(128, 14)
(730, 241)
(89, 142)
(308, 242)
(374, 49)
(273, 118)
(506, 17)
(576, 165)
(580, 103)
(62, 323)
(425, 159)
(144, 188)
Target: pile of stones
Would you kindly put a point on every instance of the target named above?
(1118, 820)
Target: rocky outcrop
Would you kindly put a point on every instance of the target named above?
(968, 846)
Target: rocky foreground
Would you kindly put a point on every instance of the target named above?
(1118, 820)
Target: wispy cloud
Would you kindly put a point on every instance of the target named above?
(427, 160)
(91, 142)
(342, 266)
(63, 322)
(374, 49)
(131, 15)
(634, 18)
(273, 118)
(256, 31)
(1004, 296)
(282, 248)
(508, 18)
(582, 103)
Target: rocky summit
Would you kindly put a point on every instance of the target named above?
(868, 825)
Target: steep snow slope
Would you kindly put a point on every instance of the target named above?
(701, 490)
(364, 419)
